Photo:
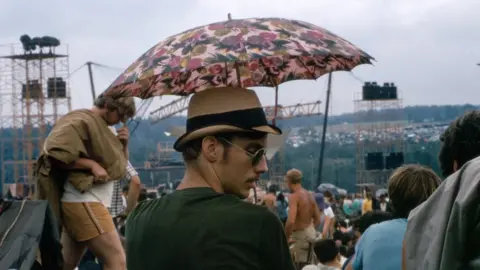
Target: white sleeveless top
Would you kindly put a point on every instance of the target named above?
(102, 193)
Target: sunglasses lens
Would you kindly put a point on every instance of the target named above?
(258, 157)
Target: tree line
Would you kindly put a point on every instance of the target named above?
(339, 162)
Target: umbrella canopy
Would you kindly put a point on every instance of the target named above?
(328, 187)
(381, 192)
(245, 53)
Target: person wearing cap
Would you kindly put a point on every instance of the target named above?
(205, 223)
(86, 158)
(327, 215)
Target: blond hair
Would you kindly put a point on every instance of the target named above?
(409, 186)
(294, 176)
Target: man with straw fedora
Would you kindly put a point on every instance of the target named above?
(205, 224)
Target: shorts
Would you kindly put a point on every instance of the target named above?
(87, 220)
(303, 247)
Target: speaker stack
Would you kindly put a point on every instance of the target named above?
(374, 161)
(372, 91)
(56, 88)
(394, 160)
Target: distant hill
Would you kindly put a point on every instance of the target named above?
(413, 114)
(146, 136)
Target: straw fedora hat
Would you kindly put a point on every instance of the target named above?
(221, 110)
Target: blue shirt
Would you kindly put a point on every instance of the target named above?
(380, 247)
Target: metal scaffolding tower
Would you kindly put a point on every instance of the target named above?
(34, 93)
(379, 133)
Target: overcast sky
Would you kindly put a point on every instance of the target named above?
(429, 48)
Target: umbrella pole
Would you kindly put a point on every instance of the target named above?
(275, 110)
(324, 130)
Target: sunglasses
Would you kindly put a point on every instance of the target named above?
(255, 157)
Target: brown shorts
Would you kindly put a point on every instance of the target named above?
(85, 221)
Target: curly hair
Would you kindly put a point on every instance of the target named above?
(409, 186)
(460, 142)
(124, 105)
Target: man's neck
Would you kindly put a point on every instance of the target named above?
(296, 188)
(98, 111)
(193, 178)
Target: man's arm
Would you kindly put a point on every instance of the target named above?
(274, 247)
(79, 164)
(134, 187)
(292, 214)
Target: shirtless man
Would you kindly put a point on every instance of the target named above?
(270, 199)
(303, 217)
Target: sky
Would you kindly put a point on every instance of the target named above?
(428, 48)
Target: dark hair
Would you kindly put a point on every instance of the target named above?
(125, 188)
(272, 189)
(281, 197)
(460, 142)
(409, 186)
(143, 195)
(370, 218)
(193, 148)
(342, 223)
(326, 250)
(343, 251)
(350, 252)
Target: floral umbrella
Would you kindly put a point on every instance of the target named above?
(245, 53)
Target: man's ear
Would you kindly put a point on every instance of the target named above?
(210, 148)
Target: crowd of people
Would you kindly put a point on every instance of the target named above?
(415, 133)
(209, 221)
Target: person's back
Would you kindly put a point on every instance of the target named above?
(198, 228)
(380, 246)
(303, 217)
(305, 210)
(443, 232)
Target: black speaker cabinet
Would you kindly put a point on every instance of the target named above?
(56, 88)
(374, 161)
(394, 160)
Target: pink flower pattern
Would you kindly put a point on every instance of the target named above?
(246, 53)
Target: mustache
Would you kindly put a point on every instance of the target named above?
(252, 180)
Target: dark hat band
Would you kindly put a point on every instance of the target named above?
(246, 119)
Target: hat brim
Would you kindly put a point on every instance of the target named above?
(212, 130)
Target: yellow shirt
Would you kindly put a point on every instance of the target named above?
(366, 206)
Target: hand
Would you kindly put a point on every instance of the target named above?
(99, 173)
(123, 134)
